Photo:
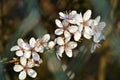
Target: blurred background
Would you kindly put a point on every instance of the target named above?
(33, 18)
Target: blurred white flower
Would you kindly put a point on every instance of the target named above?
(20, 47)
(84, 24)
(66, 46)
(25, 67)
(65, 29)
(26, 50)
(97, 28)
(42, 43)
(69, 17)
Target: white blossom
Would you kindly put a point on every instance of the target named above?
(20, 47)
(65, 29)
(97, 28)
(69, 17)
(84, 23)
(65, 46)
(26, 50)
(42, 43)
(25, 67)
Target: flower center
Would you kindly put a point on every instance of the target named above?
(36, 62)
(84, 23)
(25, 68)
(65, 45)
(65, 28)
(69, 18)
(39, 43)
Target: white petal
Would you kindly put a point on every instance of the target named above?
(65, 23)
(46, 38)
(32, 73)
(19, 53)
(79, 18)
(59, 31)
(67, 34)
(60, 51)
(72, 29)
(87, 32)
(67, 39)
(97, 19)
(58, 23)
(32, 42)
(36, 56)
(20, 42)
(14, 48)
(80, 28)
(87, 36)
(68, 52)
(41, 50)
(96, 37)
(71, 14)
(27, 54)
(22, 75)
(62, 15)
(77, 36)
(23, 61)
(101, 26)
(72, 45)
(72, 17)
(59, 41)
(17, 68)
(25, 46)
(87, 15)
(51, 44)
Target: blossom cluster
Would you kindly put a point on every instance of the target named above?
(72, 27)
(27, 55)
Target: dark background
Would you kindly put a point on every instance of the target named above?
(33, 18)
